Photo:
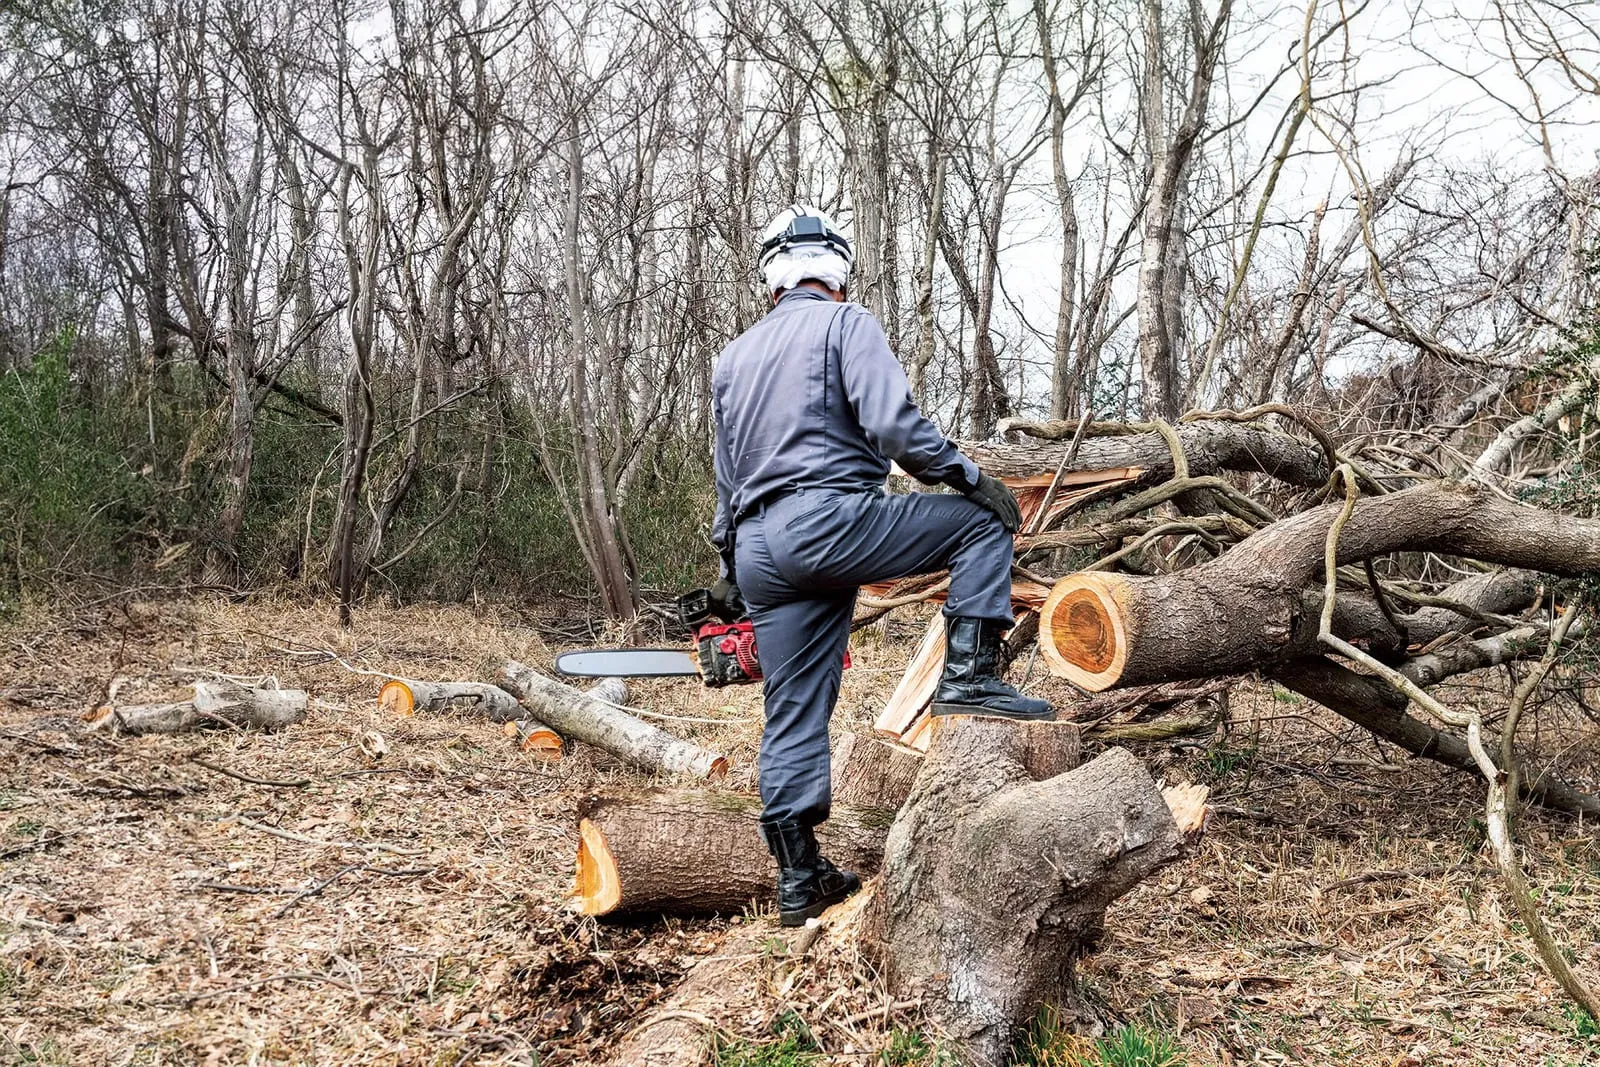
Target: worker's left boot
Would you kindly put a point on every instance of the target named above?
(971, 684)
(807, 883)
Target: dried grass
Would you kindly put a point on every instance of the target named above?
(1338, 912)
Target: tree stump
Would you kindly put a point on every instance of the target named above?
(992, 881)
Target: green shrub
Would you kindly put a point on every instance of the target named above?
(70, 499)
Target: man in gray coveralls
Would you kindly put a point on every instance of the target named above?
(810, 407)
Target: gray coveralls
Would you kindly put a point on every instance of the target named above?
(810, 406)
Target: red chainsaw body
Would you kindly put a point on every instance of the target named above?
(727, 653)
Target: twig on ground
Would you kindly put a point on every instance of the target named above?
(47, 837)
(272, 782)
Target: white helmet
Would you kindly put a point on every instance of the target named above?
(798, 225)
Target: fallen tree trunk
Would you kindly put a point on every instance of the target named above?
(992, 881)
(1247, 608)
(1210, 447)
(215, 704)
(699, 852)
(579, 716)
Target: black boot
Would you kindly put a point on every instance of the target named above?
(971, 683)
(807, 883)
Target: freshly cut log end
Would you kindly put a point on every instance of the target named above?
(535, 739)
(598, 889)
(397, 699)
(1083, 630)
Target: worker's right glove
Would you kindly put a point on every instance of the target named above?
(994, 494)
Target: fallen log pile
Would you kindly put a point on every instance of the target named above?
(1190, 557)
(1210, 564)
(541, 714)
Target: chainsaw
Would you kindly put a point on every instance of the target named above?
(724, 646)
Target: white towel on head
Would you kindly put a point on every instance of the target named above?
(806, 263)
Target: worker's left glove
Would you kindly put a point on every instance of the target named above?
(727, 602)
(993, 494)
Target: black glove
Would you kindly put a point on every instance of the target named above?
(727, 602)
(993, 494)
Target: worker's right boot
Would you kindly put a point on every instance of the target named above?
(971, 684)
(807, 883)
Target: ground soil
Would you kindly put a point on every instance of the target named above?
(407, 904)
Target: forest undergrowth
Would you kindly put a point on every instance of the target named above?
(397, 895)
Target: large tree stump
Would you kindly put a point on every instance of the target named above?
(694, 851)
(993, 881)
(870, 772)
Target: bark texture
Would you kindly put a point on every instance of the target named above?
(992, 881)
(1247, 608)
(578, 716)
(699, 851)
(405, 697)
(214, 704)
(1211, 448)
(873, 773)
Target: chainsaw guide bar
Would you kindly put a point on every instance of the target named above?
(628, 663)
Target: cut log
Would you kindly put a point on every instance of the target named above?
(578, 716)
(543, 743)
(401, 696)
(698, 852)
(992, 881)
(1247, 609)
(215, 704)
(536, 739)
